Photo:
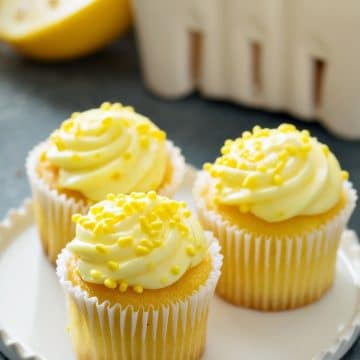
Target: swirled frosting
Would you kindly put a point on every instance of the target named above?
(277, 174)
(141, 240)
(109, 149)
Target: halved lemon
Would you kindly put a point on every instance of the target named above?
(62, 29)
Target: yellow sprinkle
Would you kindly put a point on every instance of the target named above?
(157, 242)
(278, 180)
(116, 106)
(218, 186)
(240, 144)
(231, 162)
(190, 250)
(59, 144)
(344, 175)
(67, 125)
(76, 217)
(146, 243)
(96, 209)
(305, 139)
(256, 129)
(113, 265)
(106, 122)
(164, 280)
(290, 149)
(159, 135)
(214, 172)
(110, 197)
(129, 108)
(244, 208)
(305, 133)
(283, 155)
(287, 127)
(249, 181)
(246, 135)
(157, 224)
(123, 286)
(152, 195)
(110, 283)
(143, 128)
(95, 274)
(125, 241)
(101, 249)
(75, 157)
(258, 156)
(127, 156)
(305, 148)
(120, 217)
(175, 270)
(325, 150)
(138, 289)
(261, 167)
(207, 166)
(225, 150)
(142, 250)
(125, 122)
(151, 266)
(187, 213)
(265, 132)
(242, 166)
(105, 106)
(144, 141)
(99, 229)
(43, 156)
(280, 165)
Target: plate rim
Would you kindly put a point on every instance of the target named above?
(16, 220)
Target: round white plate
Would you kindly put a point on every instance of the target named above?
(33, 316)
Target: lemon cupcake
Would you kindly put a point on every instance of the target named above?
(139, 276)
(111, 149)
(278, 202)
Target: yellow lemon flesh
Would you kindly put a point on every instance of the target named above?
(62, 29)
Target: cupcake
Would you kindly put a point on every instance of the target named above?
(278, 202)
(111, 149)
(139, 276)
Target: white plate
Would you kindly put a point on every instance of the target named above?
(33, 318)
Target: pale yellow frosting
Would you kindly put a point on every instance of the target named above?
(141, 240)
(277, 174)
(110, 149)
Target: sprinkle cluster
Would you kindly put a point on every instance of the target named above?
(247, 153)
(154, 215)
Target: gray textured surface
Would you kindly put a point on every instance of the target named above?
(35, 98)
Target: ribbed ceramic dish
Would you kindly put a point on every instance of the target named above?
(33, 314)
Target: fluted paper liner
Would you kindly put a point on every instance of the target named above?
(266, 272)
(53, 210)
(176, 330)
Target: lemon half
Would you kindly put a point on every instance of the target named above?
(62, 29)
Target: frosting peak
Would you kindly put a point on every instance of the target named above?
(141, 240)
(109, 149)
(277, 174)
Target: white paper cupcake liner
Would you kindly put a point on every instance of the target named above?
(178, 165)
(122, 332)
(53, 210)
(269, 272)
